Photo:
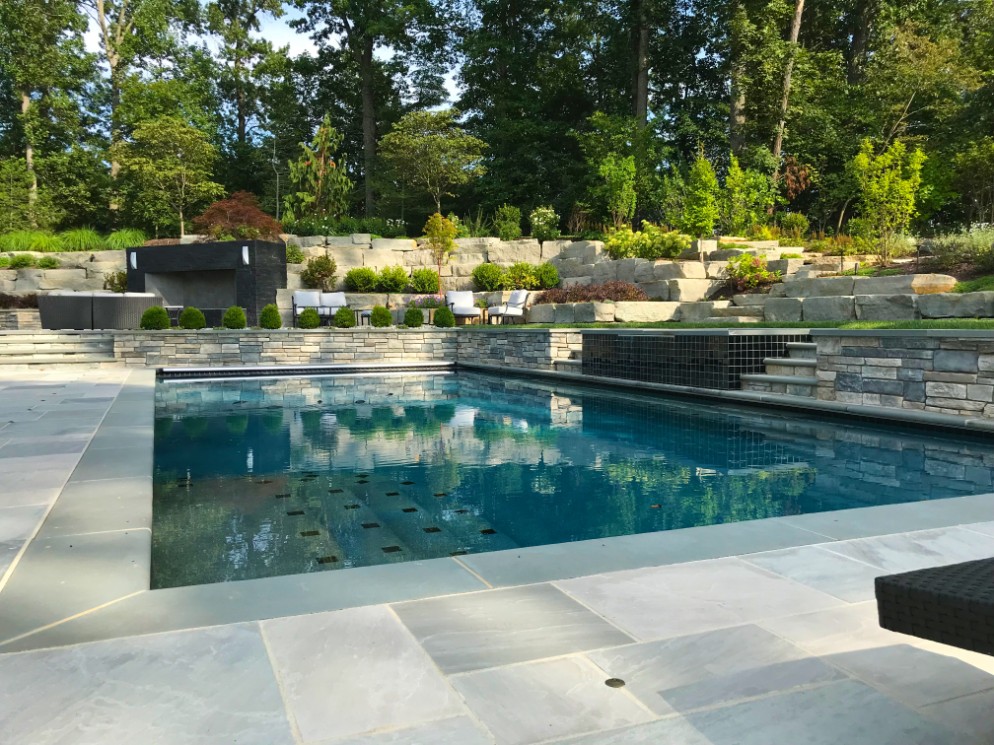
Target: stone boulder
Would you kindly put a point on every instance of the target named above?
(716, 269)
(931, 284)
(378, 258)
(551, 249)
(309, 241)
(746, 300)
(664, 269)
(783, 310)
(636, 312)
(886, 308)
(346, 257)
(511, 252)
(630, 270)
(541, 313)
(786, 267)
(822, 287)
(588, 252)
(828, 308)
(699, 312)
(476, 245)
(471, 259)
(693, 290)
(564, 313)
(570, 267)
(395, 244)
(68, 279)
(957, 305)
(575, 281)
(594, 312)
(657, 290)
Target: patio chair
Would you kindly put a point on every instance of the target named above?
(331, 302)
(304, 299)
(513, 308)
(951, 604)
(461, 304)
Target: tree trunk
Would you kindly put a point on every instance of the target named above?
(640, 82)
(368, 122)
(29, 159)
(737, 94)
(860, 23)
(182, 224)
(795, 31)
(240, 96)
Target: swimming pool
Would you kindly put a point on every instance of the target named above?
(274, 476)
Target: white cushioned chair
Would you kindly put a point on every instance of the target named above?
(304, 299)
(331, 302)
(460, 302)
(513, 308)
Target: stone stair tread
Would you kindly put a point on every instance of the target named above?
(56, 359)
(42, 348)
(788, 379)
(790, 362)
(739, 310)
(723, 320)
(807, 345)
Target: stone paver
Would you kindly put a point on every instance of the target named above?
(774, 647)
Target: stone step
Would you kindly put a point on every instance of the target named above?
(787, 384)
(802, 350)
(725, 320)
(790, 367)
(738, 311)
(55, 359)
(573, 366)
(31, 337)
(746, 300)
(56, 348)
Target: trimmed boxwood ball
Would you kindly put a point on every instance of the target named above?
(269, 317)
(380, 317)
(155, 319)
(234, 318)
(344, 318)
(192, 319)
(361, 279)
(414, 317)
(309, 319)
(445, 318)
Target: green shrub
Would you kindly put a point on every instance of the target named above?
(234, 318)
(521, 276)
(489, 277)
(424, 281)
(392, 279)
(155, 319)
(462, 231)
(294, 255)
(309, 318)
(116, 281)
(613, 291)
(82, 239)
(547, 276)
(414, 317)
(380, 317)
(507, 222)
(269, 317)
(748, 272)
(49, 262)
(4, 262)
(346, 226)
(444, 318)
(794, 226)
(29, 240)
(319, 274)
(545, 223)
(344, 318)
(651, 242)
(361, 279)
(791, 256)
(126, 238)
(975, 247)
(192, 318)
(23, 261)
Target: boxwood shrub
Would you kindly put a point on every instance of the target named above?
(309, 319)
(192, 318)
(234, 318)
(344, 318)
(380, 317)
(444, 318)
(155, 319)
(269, 317)
(361, 279)
(414, 317)
(489, 277)
(392, 279)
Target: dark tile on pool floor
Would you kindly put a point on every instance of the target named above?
(294, 513)
(370, 525)
(282, 496)
(335, 491)
(309, 533)
(432, 529)
(393, 493)
(406, 483)
(488, 531)
(410, 509)
(352, 506)
(391, 549)
(327, 559)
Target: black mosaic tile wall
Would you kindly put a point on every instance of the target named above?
(700, 360)
(255, 284)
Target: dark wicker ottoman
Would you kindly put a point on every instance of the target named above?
(952, 604)
(66, 310)
(121, 310)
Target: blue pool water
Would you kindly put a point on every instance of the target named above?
(273, 476)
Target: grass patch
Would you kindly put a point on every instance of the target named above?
(943, 323)
(980, 284)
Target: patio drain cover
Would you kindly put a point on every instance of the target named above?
(614, 683)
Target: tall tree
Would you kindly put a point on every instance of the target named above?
(43, 64)
(795, 30)
(363, 28)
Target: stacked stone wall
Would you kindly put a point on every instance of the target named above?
(946, 372)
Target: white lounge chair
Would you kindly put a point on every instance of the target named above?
(513, 308)
(331, 302)
(304, 299)
(461, 304)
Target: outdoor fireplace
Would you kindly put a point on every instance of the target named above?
(211, 276)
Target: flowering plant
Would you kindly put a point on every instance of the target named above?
(427, 301)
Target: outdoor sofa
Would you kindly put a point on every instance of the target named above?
(951, 604)
(83, 311)
(325, 303)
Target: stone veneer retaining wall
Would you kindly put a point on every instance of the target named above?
(942, 371)
(525, 348)
(20, 320)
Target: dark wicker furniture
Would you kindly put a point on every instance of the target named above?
(83, 311)
(950, 604)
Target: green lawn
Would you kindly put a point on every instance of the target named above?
(950, 323)
(980, 284)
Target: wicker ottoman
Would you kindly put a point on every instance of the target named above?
(951, 604)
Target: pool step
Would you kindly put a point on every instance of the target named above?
(793, 375)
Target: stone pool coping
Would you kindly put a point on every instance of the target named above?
(109, 596)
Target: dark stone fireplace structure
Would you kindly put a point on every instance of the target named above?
(211, 276)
